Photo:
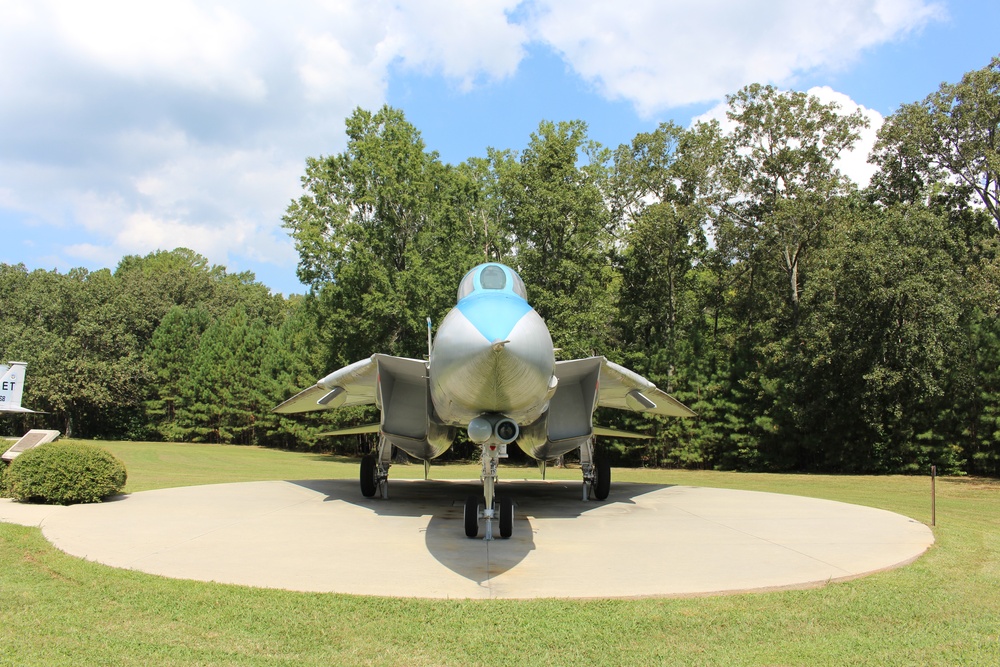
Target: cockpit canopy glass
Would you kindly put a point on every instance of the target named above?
(492, 277)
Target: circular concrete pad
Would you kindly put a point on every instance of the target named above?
(645, 540)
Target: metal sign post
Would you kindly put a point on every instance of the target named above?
(933, 497)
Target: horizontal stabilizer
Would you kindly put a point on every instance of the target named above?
(615, 433)
(356, 430)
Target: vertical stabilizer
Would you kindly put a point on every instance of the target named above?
(12, 386)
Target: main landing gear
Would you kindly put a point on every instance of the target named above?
(489, 506)
(375, 471)
(596, 473)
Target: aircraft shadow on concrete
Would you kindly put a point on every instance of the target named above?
(443, 500)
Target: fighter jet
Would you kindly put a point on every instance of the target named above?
(491, 370)
(11, 387)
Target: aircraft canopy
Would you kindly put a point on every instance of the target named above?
(493, 277)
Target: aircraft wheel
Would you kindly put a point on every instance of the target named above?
(506, 517)
(602, 485)
(471, 516)
(369, 484)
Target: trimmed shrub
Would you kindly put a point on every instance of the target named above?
(64, 474)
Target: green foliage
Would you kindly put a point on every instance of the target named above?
(171, 355)
(384, 236)
(220, 395)
(948, 141)
(560, 228)
(877, 344)
(64, 474)
(811, 326)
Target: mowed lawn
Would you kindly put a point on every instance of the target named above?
(944, 609)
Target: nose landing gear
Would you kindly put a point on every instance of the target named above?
(503, 512)
(494, 508)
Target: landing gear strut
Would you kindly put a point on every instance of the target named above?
(494, 508)
(375, 471)
(596, 473)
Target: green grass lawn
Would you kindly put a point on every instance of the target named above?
(944, 609)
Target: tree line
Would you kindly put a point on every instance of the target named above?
(812, 324)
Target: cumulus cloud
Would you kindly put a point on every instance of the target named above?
(659, 55)
(464, 41)
(854, 163)
(162, 123)
(178, 122)
(205, 48)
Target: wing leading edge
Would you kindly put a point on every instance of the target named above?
(623, 389)
(351, 385)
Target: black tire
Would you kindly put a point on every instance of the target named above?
(506, 517)
(471, 516)
(369, 485)
(602, 485)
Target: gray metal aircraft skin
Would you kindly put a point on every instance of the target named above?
(12, 386)
(491, 370)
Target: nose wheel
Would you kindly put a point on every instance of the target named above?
(503, 512)
(506, 517)
(471, 516)
(495, 508)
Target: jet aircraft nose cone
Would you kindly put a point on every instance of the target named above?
(494, 316)
(485, 360)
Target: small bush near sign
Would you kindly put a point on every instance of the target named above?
(64, 474)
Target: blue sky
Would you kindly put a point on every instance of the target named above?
(128, 127)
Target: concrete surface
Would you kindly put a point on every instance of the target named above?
(645, 540)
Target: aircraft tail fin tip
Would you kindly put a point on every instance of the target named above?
(12, 386)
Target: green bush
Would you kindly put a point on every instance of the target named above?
(64, 474)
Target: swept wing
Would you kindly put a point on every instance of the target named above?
(624, 389)
(351, 385)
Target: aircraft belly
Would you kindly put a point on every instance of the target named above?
(548, 450)
(471, 375)
(423, 449)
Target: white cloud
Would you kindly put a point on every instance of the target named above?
(90, 253)
(153, 124)
(462, 40)
(207, 48)
(659, 54)
(127, 230)
(160, 123)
